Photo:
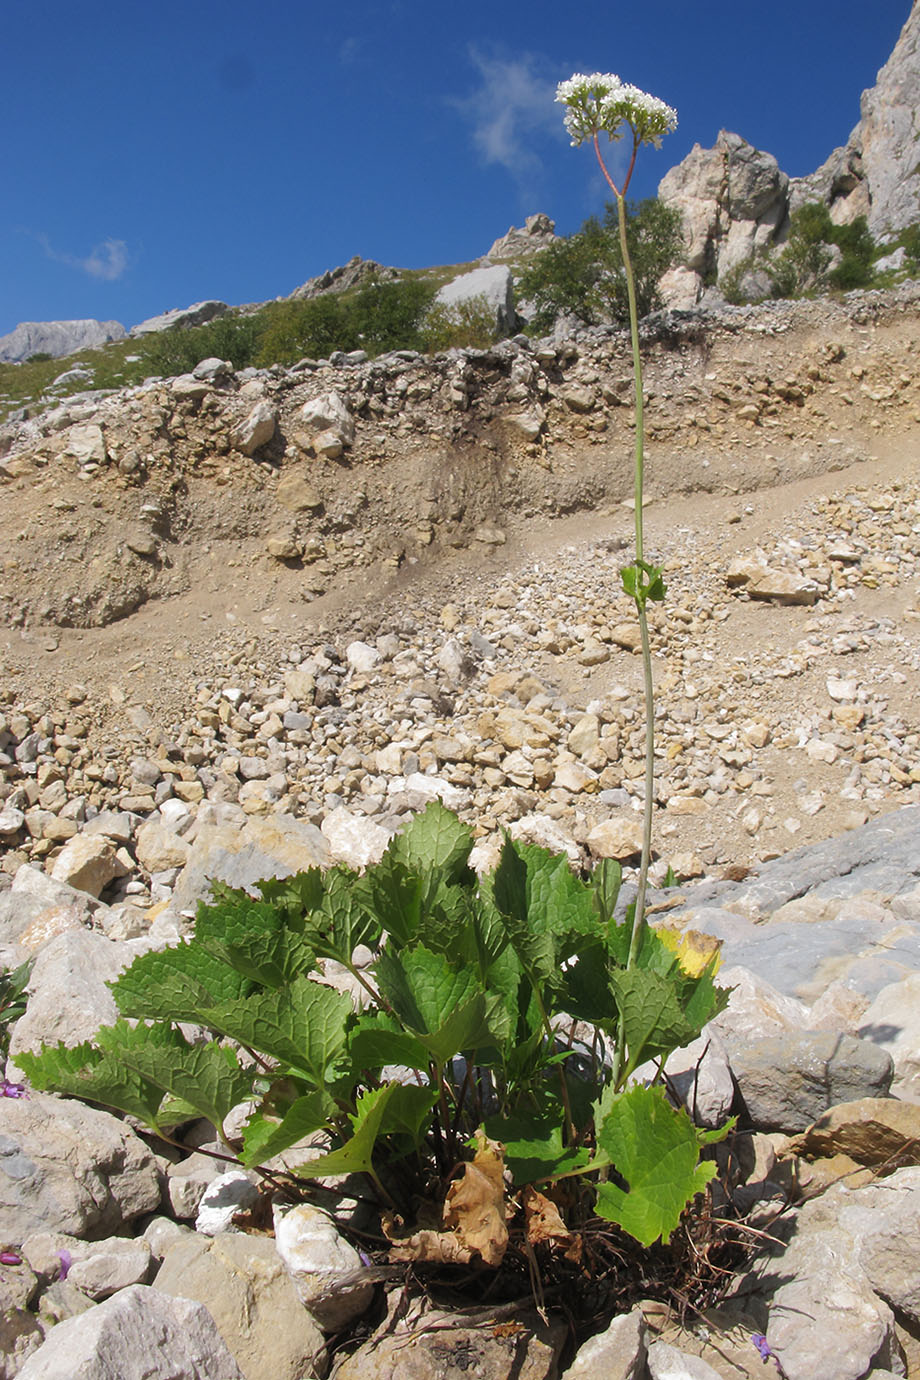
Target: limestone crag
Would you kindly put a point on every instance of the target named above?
(56, 338)
(736, 202)
(733, 199)
(876, 173)
(181, 318)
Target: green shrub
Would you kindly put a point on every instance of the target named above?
(177, 351)
(583, 274)
(312, 328)
(471, 324)
(40, 357)
(474, 989)
(804, 265)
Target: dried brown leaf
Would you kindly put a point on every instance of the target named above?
(542, 1219)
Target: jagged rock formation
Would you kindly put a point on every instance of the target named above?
(877, 172)
(352, 274)
(538, 231)
(56, 338)
(181, 318)
(733, 199)
(736, 201)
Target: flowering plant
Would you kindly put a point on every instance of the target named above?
(602, 104)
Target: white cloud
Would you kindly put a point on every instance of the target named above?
(107, 260)
(513, 102)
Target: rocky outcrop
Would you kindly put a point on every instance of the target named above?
(537, 232)
(733, 199)
(353, 274)
(56, 338)
(876, 173)
(181, 318)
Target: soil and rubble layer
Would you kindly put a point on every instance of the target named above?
(175, 614)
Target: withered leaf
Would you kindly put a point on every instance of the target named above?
(542, 1219)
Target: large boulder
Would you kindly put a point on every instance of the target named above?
(537, 232)
(139, 1334)
(71, 1168)
(494, 285)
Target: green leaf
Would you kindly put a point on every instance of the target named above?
(605, 881)
(642, 582)
(533, 1144)
(408, 1111)
(396, 895)
(343, 920)
(303, 1026)
(443, 1006)
(95, 1076)
(434, 841)
(265, 1137)
(356, 1155)
(207, 1077)
(176, 984)
(655, 1149)
(377, 1041)
(651, 1017)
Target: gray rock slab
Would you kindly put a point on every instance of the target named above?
(790, 1080)
(70, 1168)
(882, 856)
(138, 1334)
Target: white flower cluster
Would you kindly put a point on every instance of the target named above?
(601, 103)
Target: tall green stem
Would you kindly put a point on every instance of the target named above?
(639, 914)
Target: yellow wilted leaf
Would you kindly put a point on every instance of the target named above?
(695, 952)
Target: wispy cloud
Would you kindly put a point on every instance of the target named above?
(107, 260)
(512, 103)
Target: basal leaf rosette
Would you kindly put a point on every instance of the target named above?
(600, 103)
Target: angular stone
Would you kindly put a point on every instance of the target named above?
(138, 1334)
(871, 1130)
(328, 413)
(97, 1268)
(296, 493)
(321, 1264)
(87, 863)
(242, 1282)
(666, 1362)
(354, 839)
(159, 848)
(620, 837)
(438, 1349)
(788, 1081)
(68, 993)
(72, 1168)
(892, 1023)
(257, 429)
(619, 1353)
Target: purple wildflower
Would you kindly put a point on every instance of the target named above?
(365, 1258)
(8, 1089)
(762, 1345)
(10, 1258)
(66, 1260)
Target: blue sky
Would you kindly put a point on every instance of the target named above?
(158, 154)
